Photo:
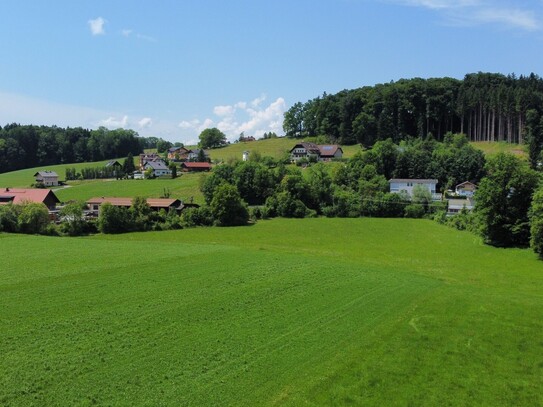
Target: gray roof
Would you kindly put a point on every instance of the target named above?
(157, 165)
(414, 180)
(46, 173)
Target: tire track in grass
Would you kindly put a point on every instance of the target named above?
(310, 327)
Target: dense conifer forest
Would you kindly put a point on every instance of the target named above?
(32, 146)
(484, 106)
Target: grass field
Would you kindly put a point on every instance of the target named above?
(501, 147)
(285, 312)
(275, 148)
(183, 187)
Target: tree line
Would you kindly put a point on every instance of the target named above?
(484, 106)
(27, 146)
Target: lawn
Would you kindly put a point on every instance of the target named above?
(183, 187)
(490, 148)
(285, 312)
(275, 147)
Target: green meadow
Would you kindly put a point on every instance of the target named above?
(323, 312)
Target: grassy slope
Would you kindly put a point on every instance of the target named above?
(500, 147)
(286, 312)
(183, 187)
(271, 147)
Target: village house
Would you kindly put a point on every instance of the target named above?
(456, 205)
(195, 166)
(113, 163)
(149, 157)
(178, 153)
(47, 178)
(193, 155)
(18, 196)
(466, 188)
(155, 204)
(158, 168)
(398, 185)
(314, 151)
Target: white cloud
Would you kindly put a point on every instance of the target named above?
(97, 26)
(504, 13)
(205, 125)
(115, 123)
(126, 32)
(256, 102)
(253, 119)
(523, 19)
(145, 123)
(223, 110)
(442, 4)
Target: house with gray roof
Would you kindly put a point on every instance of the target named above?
(47, 178)
(158, 168)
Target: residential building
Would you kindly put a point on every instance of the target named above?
(47, 178)
(456, 205)
(178, 153)
(159, 168)
(194, 155)
(398, 185)
(155, 204)
(38, 195)
(314, 151)
(189, 166)
(466, 188)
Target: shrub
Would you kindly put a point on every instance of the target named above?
(8, 219)
(414, 211)
(227, 207)
(34, 218)
(113, 219)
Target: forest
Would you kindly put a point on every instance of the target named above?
(483, 106)
(27, 146)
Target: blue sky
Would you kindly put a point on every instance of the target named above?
(172, 68)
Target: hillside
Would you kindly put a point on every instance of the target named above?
(276, 148)
(286, 312)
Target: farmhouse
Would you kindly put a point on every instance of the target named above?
(158, 168)
(329, 152)
(144, 158)
(317, 152)
(466, 189)
(155, 204)
(178, 153)
(194, 154)
(195, 166)
(113, 163)
(18, 196)
(398, 185)
(456, 205)
(47, 178)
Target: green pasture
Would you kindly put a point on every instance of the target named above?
(275, 147)
(183, 187)
(492, 148)
(316, 312)
(25, 178)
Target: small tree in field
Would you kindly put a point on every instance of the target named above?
(227, 207)
(34, 218)
(113, 219)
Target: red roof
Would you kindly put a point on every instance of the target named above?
(18, 196)
(127, 202)
(196, 165)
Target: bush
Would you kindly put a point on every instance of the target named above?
(192, 217)
(8, 219)
(414, 211)
(34, 218)
(113, 219)
(227, 207)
